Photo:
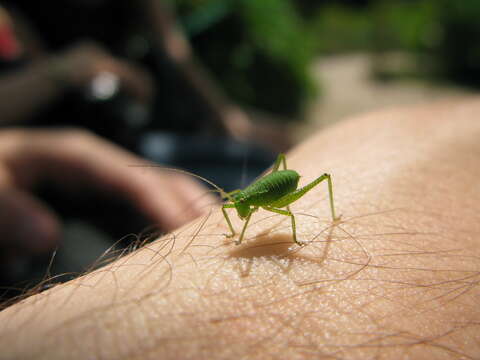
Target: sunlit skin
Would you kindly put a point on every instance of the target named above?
(397, 278)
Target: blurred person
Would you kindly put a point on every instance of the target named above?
(80, 164)
(71, 44)
(33, 78)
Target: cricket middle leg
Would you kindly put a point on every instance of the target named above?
(292, 217)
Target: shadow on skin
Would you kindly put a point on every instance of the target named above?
(278, 247)
(264, 245)
(274, 247)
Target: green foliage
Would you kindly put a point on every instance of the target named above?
(387, 24)
(275, 28)
(442, 35)
(411, 26)
(447, 32)
(260, 50)
(339, 28)
(459, 50)
(202, 14)
(279, 36)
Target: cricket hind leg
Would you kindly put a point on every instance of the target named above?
(292, 217)
(280, 160)
(297, 194)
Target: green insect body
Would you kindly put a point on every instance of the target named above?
(272, 192)
(268, 189)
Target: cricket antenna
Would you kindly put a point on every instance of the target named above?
(222, 192)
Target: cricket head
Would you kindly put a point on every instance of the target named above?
(243, 209)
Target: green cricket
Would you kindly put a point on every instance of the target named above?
(272, 192)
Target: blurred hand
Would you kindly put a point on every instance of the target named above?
(275, 136)
(76, 160)
(80, 64)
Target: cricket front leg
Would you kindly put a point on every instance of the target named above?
(225, 215)
(239, 241)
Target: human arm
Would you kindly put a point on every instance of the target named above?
(26, 91)
(397, 278)
(44, 76)
(76, 161)
(227, 116)
(44, 80)
(168, 36)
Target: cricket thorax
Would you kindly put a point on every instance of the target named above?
(269, 188)
(243, 210)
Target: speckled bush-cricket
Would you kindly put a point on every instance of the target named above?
(272, 192)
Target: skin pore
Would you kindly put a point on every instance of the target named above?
(396, 278)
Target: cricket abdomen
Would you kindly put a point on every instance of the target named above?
(269, 188)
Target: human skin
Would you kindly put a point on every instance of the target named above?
(75, 161)
(397, 278)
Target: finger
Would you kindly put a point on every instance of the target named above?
(26, 223)
(81, 63)
(195, 198)
(182, 207)
(85, 159)
(135, 80)
(159, 199)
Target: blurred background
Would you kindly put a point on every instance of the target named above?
(230, 82)
(312, 62)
